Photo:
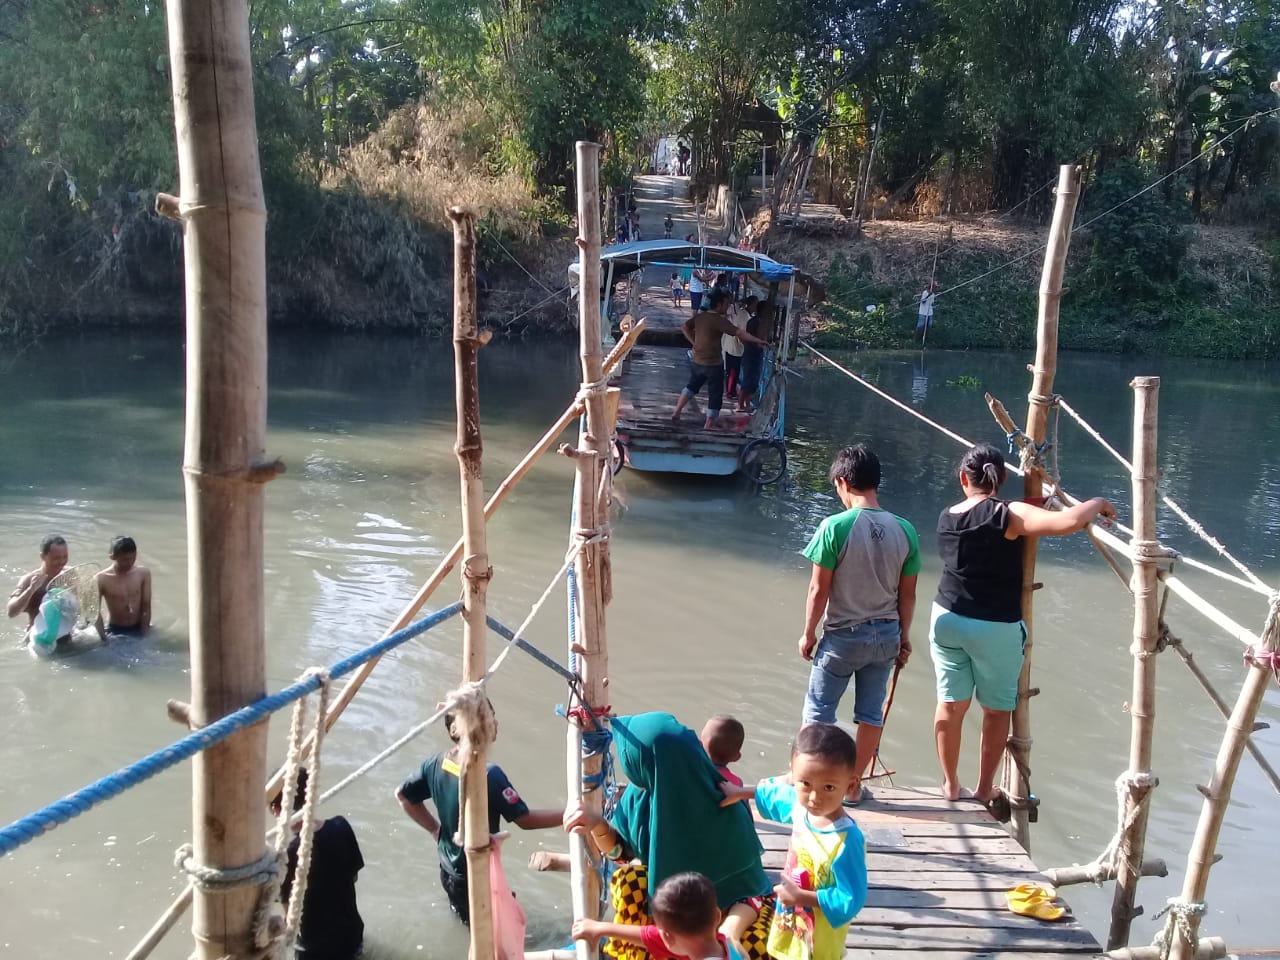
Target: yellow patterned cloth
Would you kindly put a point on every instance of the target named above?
(629, 897)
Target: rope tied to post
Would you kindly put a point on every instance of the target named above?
(1180, 912)
(475, 725)
(592, 388)
(1104, 866)
(224, 879)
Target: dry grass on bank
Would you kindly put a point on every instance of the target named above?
(426, 161)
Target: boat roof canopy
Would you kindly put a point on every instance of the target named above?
(626, 258)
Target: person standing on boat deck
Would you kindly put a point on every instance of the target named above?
(704, 331)
(332, 928)
(125, 587)
(865, 564)
(733, 348)
(759, 324)
(698, 287)
(976, 633)
(30, 591)
(438, 780)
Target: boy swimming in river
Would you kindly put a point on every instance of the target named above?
(125, 588)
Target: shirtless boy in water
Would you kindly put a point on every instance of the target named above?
(125, 587)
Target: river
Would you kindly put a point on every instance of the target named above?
(709, 593)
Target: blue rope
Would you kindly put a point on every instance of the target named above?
(509, 635)
(27, 828)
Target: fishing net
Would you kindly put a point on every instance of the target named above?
(79, 580)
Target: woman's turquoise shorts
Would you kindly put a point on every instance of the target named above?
(976, 656)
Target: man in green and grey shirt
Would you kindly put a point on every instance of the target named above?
(865, 564)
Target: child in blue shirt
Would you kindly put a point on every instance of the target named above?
(824, 884)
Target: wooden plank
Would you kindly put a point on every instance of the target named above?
(907, 862)
(878, 841)
(897, 954)
(1000, 919)
(1064, 939)
(938, 880)
(991, 898)
(928, 828)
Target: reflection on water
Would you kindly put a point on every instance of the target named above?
(709, 593)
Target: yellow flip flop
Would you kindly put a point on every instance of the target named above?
(1034, 900)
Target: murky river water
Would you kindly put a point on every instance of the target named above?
(709, 602)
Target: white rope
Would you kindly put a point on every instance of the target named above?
(1105, 865)
(306, 836)
(1180, 912)
(450, 702)
(1254, 582)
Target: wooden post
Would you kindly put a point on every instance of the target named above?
(592, 494)
(224, 233)
(1146, 634)
(476, 571)
(1217, 795)
(1038, 402)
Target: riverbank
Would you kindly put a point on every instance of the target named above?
(1224, 302)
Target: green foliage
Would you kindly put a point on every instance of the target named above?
(1137, 249)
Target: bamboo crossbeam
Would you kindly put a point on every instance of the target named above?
(174, 912)
(1209, 948)
(1138, 780)
(1201, 678)
(1067, 876)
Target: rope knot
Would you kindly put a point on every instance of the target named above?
(474, 725)
(1180, 912)
(1266, 659)
(593, 388)
(225, 879)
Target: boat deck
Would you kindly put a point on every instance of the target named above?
(938, 875)
(652, 378)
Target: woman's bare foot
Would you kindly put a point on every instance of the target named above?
(952, 791)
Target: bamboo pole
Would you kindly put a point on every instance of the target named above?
(476, 573)
(1217, 795)
(1144, 584)
(1018, 761)
(175, 910)
(1066, 876)
(224, 233)
(1211, 692)
(592, 489)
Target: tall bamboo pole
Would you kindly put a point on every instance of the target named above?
(1038, 403)
(476, 572)
(1146, 634)
(591, 491)
(1217, 795)
(224, 231)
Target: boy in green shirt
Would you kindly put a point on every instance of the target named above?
(865, 564)
(438, 781)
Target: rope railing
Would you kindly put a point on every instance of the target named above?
(27, 828)
(1253, 582)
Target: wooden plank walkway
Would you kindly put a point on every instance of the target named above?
(938, 875)
(651, 380)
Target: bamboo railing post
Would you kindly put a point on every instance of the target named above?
(223, 215)
(592, 489)
(1217, 795)
(1038, 402)
(1138, 780)
(476, 573)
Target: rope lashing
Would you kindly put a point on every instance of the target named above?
(26, 829)
(306, 836)
(1180, 912)
(592, 388)
(475, 726)
(224, 879)
(1104, 866)
(1267, 659)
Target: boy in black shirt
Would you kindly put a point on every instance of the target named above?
(331, 925)
(438, 781)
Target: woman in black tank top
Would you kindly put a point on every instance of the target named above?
(976, 635)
